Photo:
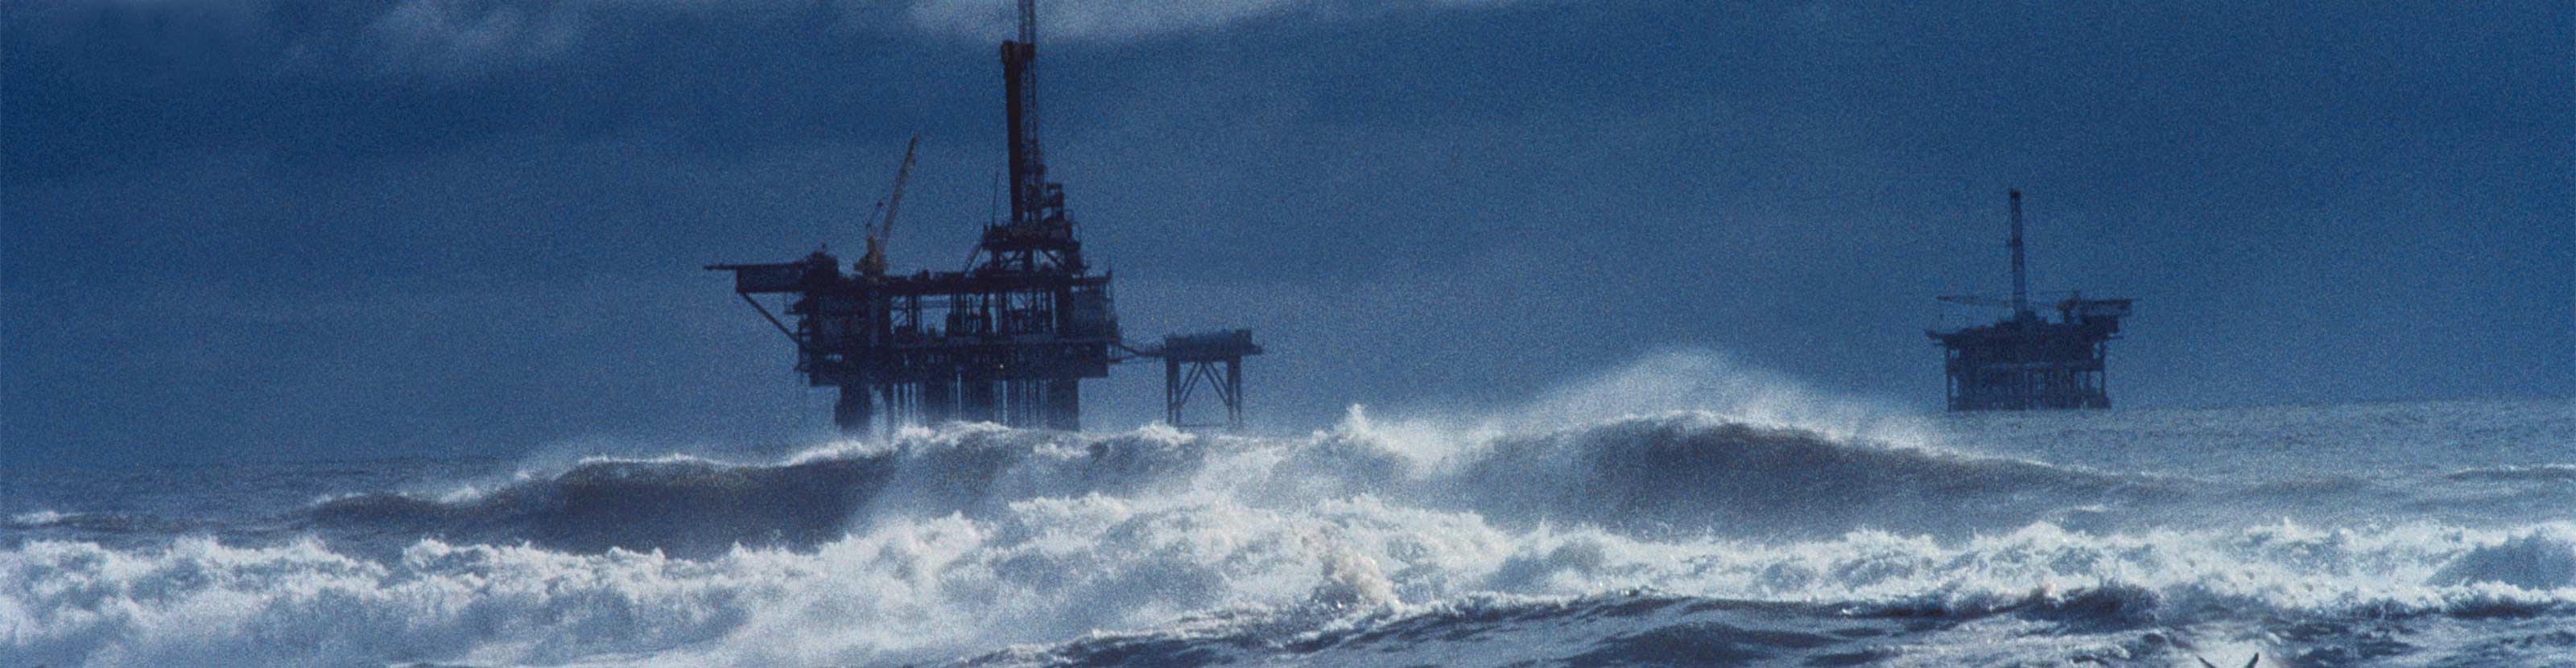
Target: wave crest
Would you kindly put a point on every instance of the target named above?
(1694, 472)
(696, 507)
(2538, 560)
(2537, 472)
(1041, 570)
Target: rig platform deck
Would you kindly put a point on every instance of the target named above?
(2026, 361)
(1008, 339)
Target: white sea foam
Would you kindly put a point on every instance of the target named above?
(1597, 525)
(37, 518)
(1051, 569)
(2534, 472)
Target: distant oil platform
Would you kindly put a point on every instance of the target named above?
(1009, 339)
(2025, 361)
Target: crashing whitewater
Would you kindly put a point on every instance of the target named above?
(1589, 530)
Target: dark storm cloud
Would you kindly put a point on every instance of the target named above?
(315, 227)
(110, 84)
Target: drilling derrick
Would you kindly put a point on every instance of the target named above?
(1006, 340)
(2026, 361)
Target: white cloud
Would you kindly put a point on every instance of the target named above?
(454, 37)
(466, 39)
(1123, 20)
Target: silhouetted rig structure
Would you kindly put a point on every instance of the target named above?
(1009, 339)
(2027, 362)
(1214, 357)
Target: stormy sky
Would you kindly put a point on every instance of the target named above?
(356, 228)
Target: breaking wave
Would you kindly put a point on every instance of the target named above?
(1678, 473)
(2538, 472)
(1694, 472)
(2537, 561)
(1206, 577)
(98, 523)
(696, 507)
(1588, 530)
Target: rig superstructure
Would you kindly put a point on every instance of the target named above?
(2025, 361)
(1008, 340)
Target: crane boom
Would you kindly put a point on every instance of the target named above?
(894, 199)
(1973, 300)
(873, 263)
(2074, 299)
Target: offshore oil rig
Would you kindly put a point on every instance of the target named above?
(2026, 361)
(1009, 338)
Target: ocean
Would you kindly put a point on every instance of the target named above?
(1678, 512)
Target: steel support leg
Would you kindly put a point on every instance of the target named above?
(1064, 405)
(851, 412)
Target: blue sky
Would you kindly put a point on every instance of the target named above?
(268, 228)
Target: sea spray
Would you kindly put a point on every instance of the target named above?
(1047, 569)
(1692, 534)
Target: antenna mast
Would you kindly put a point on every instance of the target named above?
(2021, 279)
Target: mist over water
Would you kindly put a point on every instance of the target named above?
(1681, 510)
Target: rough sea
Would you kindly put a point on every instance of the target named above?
(1682, 511)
